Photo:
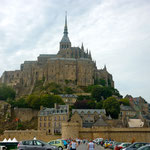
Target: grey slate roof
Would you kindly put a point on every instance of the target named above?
(126, 108)
(85, 111)
(87, 125)
(100, 122)
(47, 111)
(68, 95)
(65, 39)
(48, 55)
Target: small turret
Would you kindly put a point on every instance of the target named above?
(82, 47)
(90, 55)
(105, 69)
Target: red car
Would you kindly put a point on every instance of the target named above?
(123, 145)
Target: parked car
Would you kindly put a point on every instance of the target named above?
(111, 144)
(59, 143)
(106, 144)
(145, 147)
(123, 145)
(35, 144)
(116, 145)
(135, 146)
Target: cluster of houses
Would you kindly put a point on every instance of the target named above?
(135, 115)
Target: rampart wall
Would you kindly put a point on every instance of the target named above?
(28, 135)
(117, 134)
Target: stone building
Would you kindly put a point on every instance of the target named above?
(50, 119)
(74, 64)
(87, 117)
(127, 112)
(69, 99)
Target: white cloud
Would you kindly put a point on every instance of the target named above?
(116, 32)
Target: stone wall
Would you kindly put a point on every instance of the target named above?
(118, 134)
(25, 114)
(28, 134)
(70, 130)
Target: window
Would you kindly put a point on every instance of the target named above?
(55, 118)
(51, 143)
(44, 124)
(49, 124)
(38, 143)
(30, 143)
(57, 142)
(64, 118)
(40, 124)
(59, 124)
(40, 118)
(49, 118)
(44, 118)
(59, 118)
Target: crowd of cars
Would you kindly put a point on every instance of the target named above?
(34, 144)
(60, 144)
(113, 145)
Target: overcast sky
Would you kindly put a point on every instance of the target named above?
(116, 31)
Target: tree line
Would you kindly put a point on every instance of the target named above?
(102, 97)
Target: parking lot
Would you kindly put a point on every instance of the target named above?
(85, 147)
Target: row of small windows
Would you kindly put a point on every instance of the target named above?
(54, 111)
(49, 124)
(65, 46)
(55, 118)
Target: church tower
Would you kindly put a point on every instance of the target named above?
(65, 42)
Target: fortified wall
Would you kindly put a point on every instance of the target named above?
(118, 134)
(28, 135)
(72, 130)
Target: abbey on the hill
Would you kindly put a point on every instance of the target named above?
(70, 63)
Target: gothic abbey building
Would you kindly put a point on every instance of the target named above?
(70, 63)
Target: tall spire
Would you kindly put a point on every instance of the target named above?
(66, 28)
(65, 37)
(65, 42)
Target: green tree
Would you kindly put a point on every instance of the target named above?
(99, 105)
(124, 101)
(50, 100)
(85, 104)
(68, 90)
(21, 103)
(106, 92)
(83, 97)
(102, 82)
(91, 104)
(33, 101)
(6, 92)
(112, 107)
(115, 92)
(99, 92)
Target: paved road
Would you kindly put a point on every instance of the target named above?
(84, 147)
